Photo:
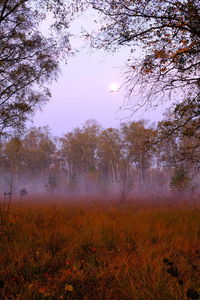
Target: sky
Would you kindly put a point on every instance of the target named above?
(83, 90)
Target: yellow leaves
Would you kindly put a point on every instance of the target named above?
(69, 288)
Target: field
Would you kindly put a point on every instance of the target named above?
(98, 250)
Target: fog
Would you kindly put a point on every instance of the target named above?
(20, 188)
(92, 161)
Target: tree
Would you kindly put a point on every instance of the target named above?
(79, 148)
(13, 151)
(138, 148)
(182, 124)
(168, 33)
(28, 59)
(180, 180)
(109, 155)
(38, 150)
(52, 183)
(164, 63)
(28, 161)
(126, 179)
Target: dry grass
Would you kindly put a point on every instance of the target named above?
(95, 250)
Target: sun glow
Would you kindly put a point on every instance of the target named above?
(114, 87)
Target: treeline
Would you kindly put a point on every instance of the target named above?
(134, 158)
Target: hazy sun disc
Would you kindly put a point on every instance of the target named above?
(114, 87)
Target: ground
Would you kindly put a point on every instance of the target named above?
(96, 249)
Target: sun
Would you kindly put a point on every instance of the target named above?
(114, 87)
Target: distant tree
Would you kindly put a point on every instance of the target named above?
(13, 157)
(138, 148)
(14, 149)
(180, 180)
(52, 184)
(78, 149)
(126, 179)
(109, 155)
(38, 151)
(28, 59)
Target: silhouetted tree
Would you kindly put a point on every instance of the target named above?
(167, 35)
(28, 59)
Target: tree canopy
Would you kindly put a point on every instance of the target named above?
(28, 58)
(168, 32)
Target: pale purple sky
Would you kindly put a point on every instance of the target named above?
(82, 92)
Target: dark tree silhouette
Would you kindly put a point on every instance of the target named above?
(28, 59)
(168, 33)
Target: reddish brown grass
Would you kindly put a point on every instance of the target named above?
(96, 250)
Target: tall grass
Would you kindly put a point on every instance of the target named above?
(95, 250)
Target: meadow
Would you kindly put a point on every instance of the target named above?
(92, 249)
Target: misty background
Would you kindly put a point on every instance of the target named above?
(92, 160)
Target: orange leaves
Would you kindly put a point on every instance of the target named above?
(185, 49)
(182, 50)
(147, 70)
(161, 53)
(184, 42)
(163, 69)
